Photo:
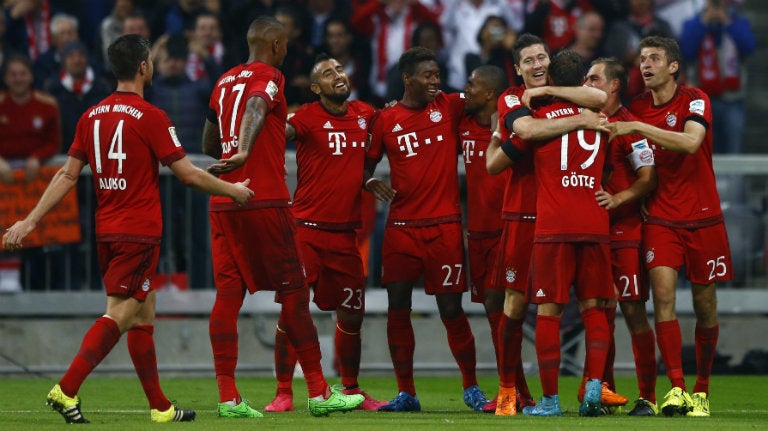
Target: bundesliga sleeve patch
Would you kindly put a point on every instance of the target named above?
(172, 132)
(697, 107)
(511, 100)
(271, 90)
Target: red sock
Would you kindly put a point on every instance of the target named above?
(671, 346)
(462, 344)
(610, 357)
(302, 333)
(520, 383)
(97, 343)
(348, 350)
(285, 361)
(596, 341)
(222, 330)
(548, 352)
(402, 343)
(494, 320)
(706, 343)
(141, 346)
(644, 349)
(511, 344)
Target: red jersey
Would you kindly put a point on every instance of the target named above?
(569, 170)
(32, 129)
(558, 28)
(123, 138)
(330, 153)
(266, 164)
(485, 192)
(520, 192)
(422, 148)
(687, 194)
(626, 154)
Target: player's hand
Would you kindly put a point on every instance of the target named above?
(606, 200)
(593, 120)
(242, 193)
(619, 128)
(228, 165)
(32, 169)
(532, 93)
(6, 173)
(380, 189)
(16, 233)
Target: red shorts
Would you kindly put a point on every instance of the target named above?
(559, 265)
(334, 269)
(482, 257)
(513, 262)
(257, 249)
(436, 252)
(127, 267)
(629, 274)
(704, 251)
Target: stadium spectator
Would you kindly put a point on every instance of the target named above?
(76, 88)
(423, 236)
(388, 25)
(496, 42)
(341, 45)
(48, 64)
(555, 20)
(186, 103)
(630, 176)
(248, 108)
(327, 214)
(319, 12)
(299, 60)
(136, 23)
(181, 16)
(623, 39)
(588, 36)
(129, 224)
(463, 21)
(684, 225)
(714, 45)
(111, 27)
(206, 50)
(29, 26)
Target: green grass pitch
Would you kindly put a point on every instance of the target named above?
(737, 402)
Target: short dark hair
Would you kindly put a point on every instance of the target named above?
(410, 58)
(670, 47)
(567, 69)
(126, 54)
(614, 70)
(524, 41)
(494, 77)
(16, 58)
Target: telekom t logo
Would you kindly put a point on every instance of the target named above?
(337, 140)
(408, 143)
(469, 150)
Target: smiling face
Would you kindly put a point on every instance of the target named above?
(534, 61)
(424, 84)
(655, 68)
(330, 81)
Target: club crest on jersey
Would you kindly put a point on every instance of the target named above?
(271, 90)
(145, 285)
(697, 107)
(174, 137)
(362, 123)
(671, 119)
(511, 100)
(649, 256)
(435, 116)
(510, 275)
